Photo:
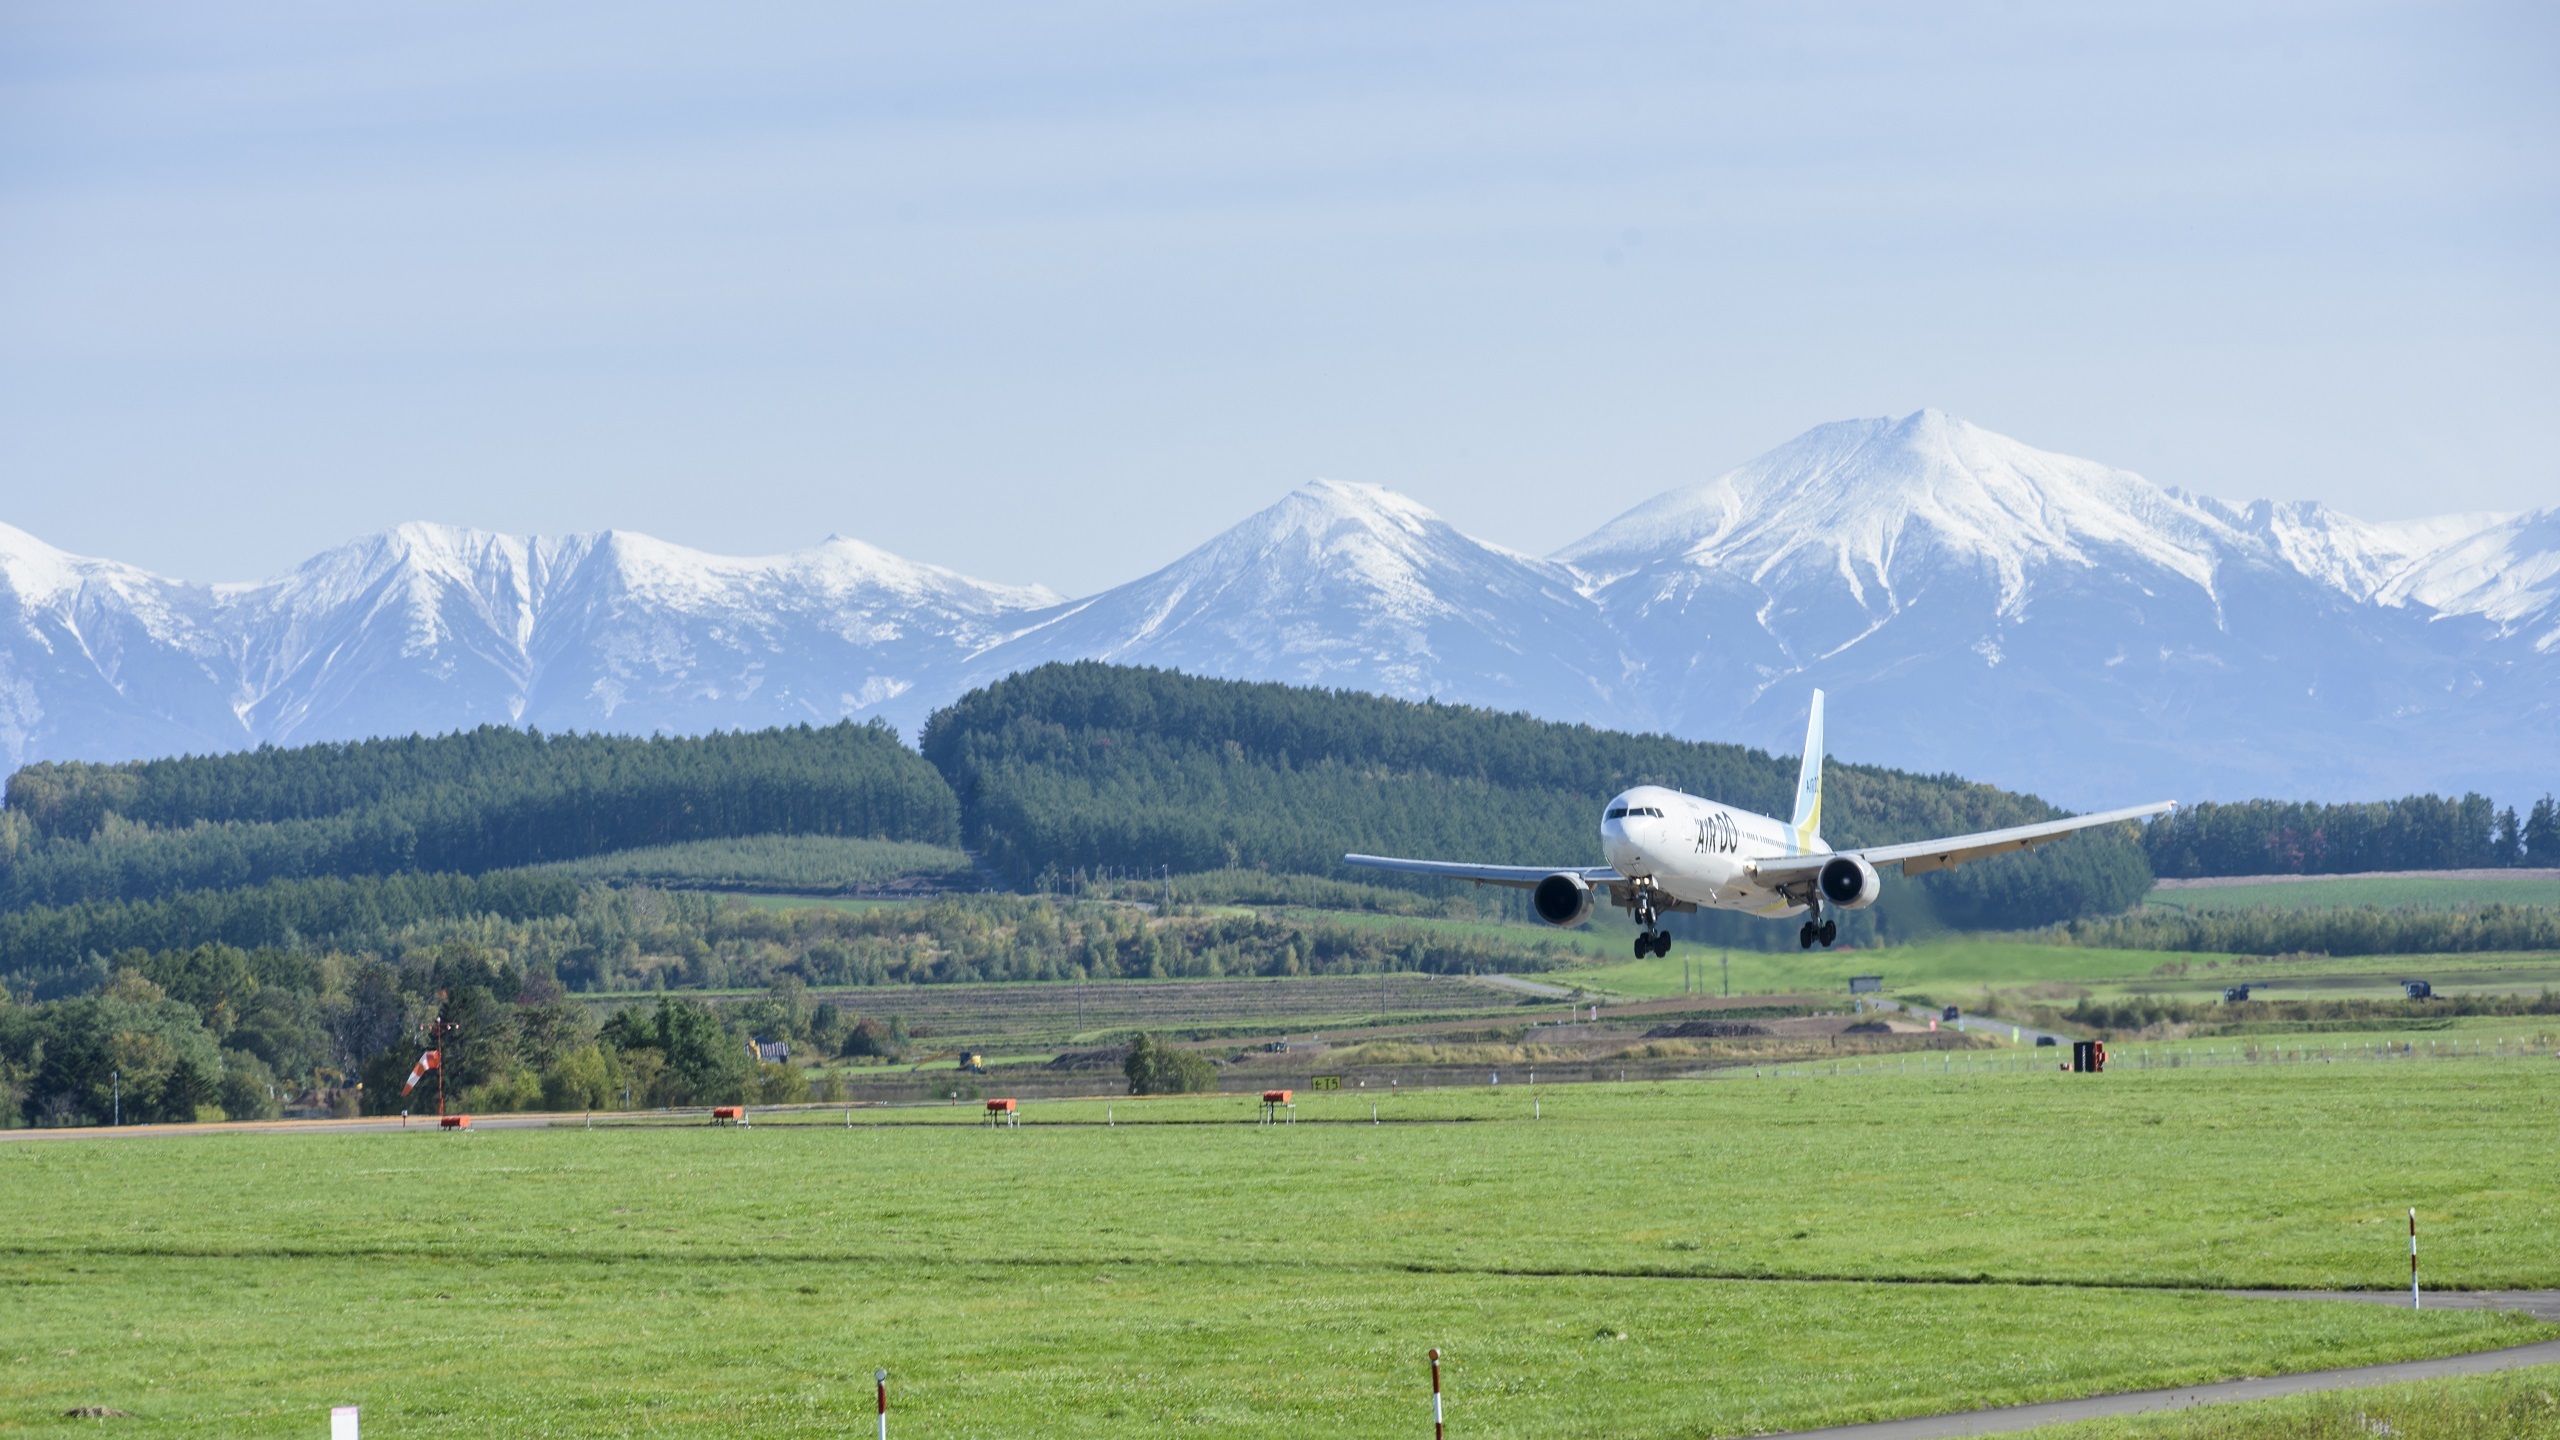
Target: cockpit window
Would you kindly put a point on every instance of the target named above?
(1617, 812)
(1621, 812)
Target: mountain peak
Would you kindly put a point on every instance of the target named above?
(1868, 499)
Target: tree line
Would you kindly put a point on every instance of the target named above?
(482, 800)
(236, 1031)
(1092, 767)
(2293, 837)
(2361, 930)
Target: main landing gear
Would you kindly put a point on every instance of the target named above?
(1655, 940)
(1817, 928)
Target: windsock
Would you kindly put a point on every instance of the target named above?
(432, 1060)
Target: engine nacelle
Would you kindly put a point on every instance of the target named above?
(1562, 899)
(1849, 882)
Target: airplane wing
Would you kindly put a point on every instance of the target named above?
(1922, 856)
(1525, 877)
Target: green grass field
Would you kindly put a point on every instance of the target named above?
(1776, 1253)
(2388, 891)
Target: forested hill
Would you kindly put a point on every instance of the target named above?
(2293, 837)
(1078, 767)
(482, 800)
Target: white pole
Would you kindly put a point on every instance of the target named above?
(881, 1379)
(2413, 1258)
(342, 1423)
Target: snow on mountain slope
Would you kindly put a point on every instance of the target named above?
(2042, 621)
(1353, 586)
(1869, 499)
(2507, 572)
(426, 628)
(102, 659)
(1973, 603)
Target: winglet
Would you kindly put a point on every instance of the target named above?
(1807, 829)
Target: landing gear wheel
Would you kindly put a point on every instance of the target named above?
(1804, 937)
(1830, 932)
(1661, 944)
(1644, 945)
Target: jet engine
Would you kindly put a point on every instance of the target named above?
(1562, 899)
(1849, 882)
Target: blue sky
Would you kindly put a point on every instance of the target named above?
(1055, 292)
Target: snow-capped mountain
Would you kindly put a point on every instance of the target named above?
(427, 628)
(1351, 587)
(1980, 606)
(1972, 603)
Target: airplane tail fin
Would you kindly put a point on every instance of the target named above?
(1807, 828)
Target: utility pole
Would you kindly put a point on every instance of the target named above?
(441, 1032)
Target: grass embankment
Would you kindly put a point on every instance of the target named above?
(2332, 891)
(798, 864)
(1931, 1244)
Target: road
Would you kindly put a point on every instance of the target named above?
(1997, 1029)
(2100, 1407)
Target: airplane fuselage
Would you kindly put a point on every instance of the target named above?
(1697, 850)
(1670, 851)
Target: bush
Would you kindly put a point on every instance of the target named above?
(1157, 1068)
(248, 1087)
(781, 1085)
(583, 1079)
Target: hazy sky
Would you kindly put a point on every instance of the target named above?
(1053, 293)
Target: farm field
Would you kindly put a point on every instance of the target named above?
(1953, 962)
(1031, 1015)
(1778, 1253)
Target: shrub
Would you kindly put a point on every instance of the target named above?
(1158, 1068)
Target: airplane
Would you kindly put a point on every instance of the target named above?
(1673, 852)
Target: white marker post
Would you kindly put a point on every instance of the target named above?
(2413, 1258)
(1435, 1395)
(342, 1423)
(881, 1379)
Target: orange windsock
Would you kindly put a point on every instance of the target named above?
(432, 1060)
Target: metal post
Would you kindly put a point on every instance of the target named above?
(2413, 1258)
(116, 1078)
(1435, 1395)
(881, 1379)
(1728, 974)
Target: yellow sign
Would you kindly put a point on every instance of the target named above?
(1325, 1082)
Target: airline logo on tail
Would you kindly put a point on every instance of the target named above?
(1806, 832)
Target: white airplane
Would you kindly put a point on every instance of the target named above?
(1669, 851)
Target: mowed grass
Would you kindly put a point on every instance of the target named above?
(1776, 1253)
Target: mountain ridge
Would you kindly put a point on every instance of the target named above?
(1976, 604)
